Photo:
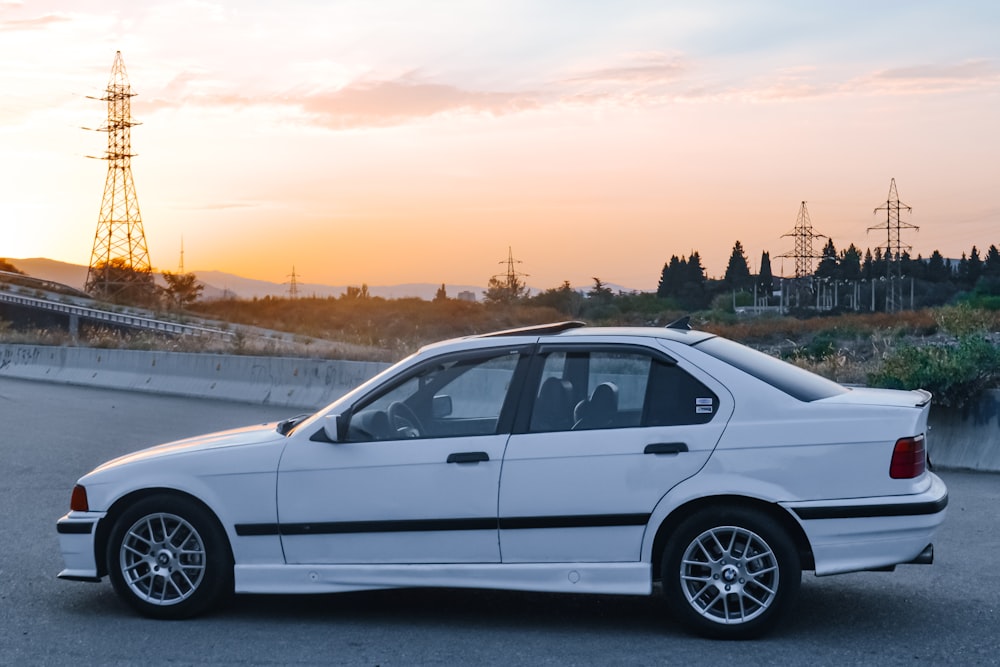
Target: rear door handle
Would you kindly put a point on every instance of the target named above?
(665, 448)
(468, 457)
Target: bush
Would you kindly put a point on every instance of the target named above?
(955, 375)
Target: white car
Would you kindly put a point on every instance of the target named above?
(556, 458)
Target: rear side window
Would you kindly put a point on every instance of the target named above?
(675, 398)
(794, 381)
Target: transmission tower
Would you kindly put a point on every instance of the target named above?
(804, 235)
(894, 247)
(119, 264)
(510, 282)
(293, 285)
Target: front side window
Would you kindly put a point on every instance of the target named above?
(598, 389)
(443, 398)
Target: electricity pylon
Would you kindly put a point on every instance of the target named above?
(894, 247)
(119, 264)
(804, 235)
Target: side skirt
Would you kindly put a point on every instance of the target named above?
(603, 578)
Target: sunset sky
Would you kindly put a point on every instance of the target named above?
(390, 141)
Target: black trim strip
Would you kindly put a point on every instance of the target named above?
(573, 521)
(423, 525)
(74, 528)
(871, 511)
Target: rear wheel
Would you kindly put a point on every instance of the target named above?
(730, 573)
(167, 558)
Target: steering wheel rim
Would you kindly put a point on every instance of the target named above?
(403, 420)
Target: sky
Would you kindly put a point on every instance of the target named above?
(416, 141)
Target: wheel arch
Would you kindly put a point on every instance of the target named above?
(772, 510)
(106, 524)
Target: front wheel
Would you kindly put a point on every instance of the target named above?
(730, 573)
(167, 558)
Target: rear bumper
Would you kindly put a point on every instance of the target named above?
(872, 533)
(77, 532)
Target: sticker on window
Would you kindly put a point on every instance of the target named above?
(703, 406)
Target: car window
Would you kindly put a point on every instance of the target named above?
(443, 398)
(794, 381)
(584, 390)
(676, 398)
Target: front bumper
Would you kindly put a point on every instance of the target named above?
(872, 533)
(77, 533)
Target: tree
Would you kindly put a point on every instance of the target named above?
(183, 289)
(828, 264)
(765, 279)
(868, 267)
(510, 289)
(737, 275)
(991, 267)
(116, 281)
(975, 266)
(8, 267)
(850, 263)
(937, 271)
(563, 298)
(600, 292)
(671, 278)
(441, 294)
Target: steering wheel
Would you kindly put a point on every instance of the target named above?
(403, 420)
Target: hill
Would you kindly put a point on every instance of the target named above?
(220, 283)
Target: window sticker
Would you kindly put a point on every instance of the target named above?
(703, 406)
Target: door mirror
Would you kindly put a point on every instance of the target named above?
(331, 427)
(441, 406)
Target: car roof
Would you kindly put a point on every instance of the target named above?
(678, 331)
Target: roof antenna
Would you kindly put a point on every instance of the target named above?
(683, 323)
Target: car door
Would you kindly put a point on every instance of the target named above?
(580, 486)
(415, 475)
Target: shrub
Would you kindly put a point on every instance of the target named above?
(955, 375)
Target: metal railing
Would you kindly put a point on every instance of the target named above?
(118, 319)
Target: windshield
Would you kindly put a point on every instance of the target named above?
(794, 381)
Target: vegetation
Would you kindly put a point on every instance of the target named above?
(950, 350)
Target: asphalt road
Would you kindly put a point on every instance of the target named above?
(946, 613)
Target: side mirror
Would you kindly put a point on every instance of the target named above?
(331, 427)
(441, 406)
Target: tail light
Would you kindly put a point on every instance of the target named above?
(78, 501)
(908, 458)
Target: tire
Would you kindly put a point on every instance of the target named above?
(730, 573)
(168, 558)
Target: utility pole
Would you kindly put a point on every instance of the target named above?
(894, 248)
(119, 263)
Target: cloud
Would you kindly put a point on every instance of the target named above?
(640, 69)
(381, 103)
(364, 103)
(39, 23)
(966, 75)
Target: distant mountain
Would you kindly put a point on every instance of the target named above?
(218, 283)
(73, 275)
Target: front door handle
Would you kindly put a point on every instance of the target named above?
(665, 448)
(468, 457)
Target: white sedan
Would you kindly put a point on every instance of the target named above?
(556, 458)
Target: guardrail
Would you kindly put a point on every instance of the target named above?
(119, 319)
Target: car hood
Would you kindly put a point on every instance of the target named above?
(239, 437)
(882, 397)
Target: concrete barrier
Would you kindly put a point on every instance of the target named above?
(969, 438)
(283, 381)
(958, 439)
